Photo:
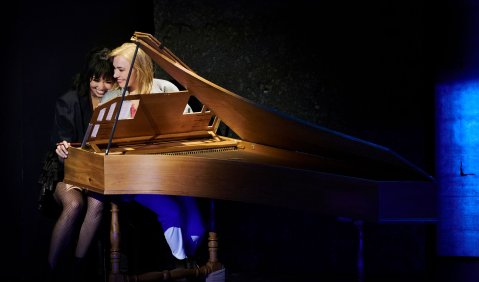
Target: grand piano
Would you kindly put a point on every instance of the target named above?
(272, 158)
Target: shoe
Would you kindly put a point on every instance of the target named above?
(179, 264)
(191, 263)
(187, 263)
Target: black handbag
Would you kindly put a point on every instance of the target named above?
(50, 175)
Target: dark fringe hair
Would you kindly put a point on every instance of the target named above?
(97, 64)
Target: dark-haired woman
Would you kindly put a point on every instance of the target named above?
(80, 208)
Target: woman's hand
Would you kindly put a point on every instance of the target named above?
(62, 150)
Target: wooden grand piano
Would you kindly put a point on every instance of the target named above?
(276, 160)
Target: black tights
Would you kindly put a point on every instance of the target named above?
(73, 203)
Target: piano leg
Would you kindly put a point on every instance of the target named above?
(213, 263)
(115, 274)
(359, 225)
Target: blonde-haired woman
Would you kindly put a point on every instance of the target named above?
(179, 215)
(141, 78)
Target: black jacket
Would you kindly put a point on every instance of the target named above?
(72, 115)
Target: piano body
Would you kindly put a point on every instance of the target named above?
(276, 160)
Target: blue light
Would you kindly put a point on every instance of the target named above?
(457, 168)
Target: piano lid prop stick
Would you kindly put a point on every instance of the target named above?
(87, 134)
(122, 99)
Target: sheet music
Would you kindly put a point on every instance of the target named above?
(128, 109)
(110, 111)
(101, 114)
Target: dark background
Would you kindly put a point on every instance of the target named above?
(364, 68)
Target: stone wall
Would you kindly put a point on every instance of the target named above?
(358, 68)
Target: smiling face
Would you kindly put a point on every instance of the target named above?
(121, 67)
(99, 86)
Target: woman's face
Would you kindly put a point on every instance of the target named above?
(99, 86)
(121, 67)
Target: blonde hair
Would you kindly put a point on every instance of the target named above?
(143, 67)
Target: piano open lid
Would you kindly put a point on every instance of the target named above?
(257, 124)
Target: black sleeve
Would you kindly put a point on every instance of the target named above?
(64, 121)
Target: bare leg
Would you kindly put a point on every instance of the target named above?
(72, 204)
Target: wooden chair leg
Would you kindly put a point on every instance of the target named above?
(115, 274)
(212, 265)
